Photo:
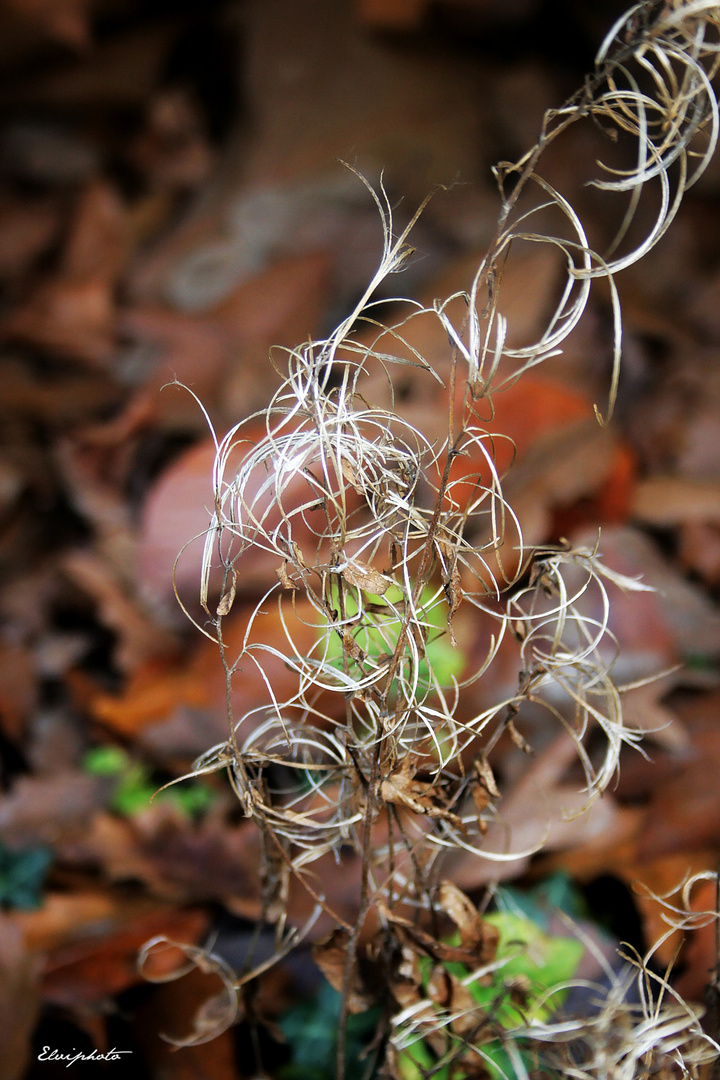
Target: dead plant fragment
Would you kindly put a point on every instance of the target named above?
(383, 537)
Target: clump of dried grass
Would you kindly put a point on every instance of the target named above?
(381, 533)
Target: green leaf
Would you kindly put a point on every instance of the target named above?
(311, 1032)
(22, 876)
(536, 959)
(379, 631)
(533, 964)
(416, 1061)
(192, 798)
(134, 791)
(105, 761)
(135, 788)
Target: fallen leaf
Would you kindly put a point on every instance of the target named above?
(664, 501)
(97, 247)
(49, 809)
(177, 515)
(653, 629)
(683, 813)
(700, 549)
(140, 638)
(19, 999)
(72, 313)
(83, 913)
(209, 861)
(541, 809)
(392, 14)
(223, 352)
(175, 518)
(162, 688)
(73, 318)
(88, 971)
(168, 1013)
(27, 229)
(699, 956)
(65, 21)
(18, 690)
(69, 400)
(655, 882)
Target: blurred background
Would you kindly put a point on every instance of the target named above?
(172, 206)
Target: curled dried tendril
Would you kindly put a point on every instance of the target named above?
(661, 1035)
(220, 1011)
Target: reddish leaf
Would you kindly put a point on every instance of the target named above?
(393, 14)
(699, 956)
(159, 688)
(86, 971)
(683, 814)
(17, 690)
(65, 21)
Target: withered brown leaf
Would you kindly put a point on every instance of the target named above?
(447, 991)
(366, 578)
(285, 579)
(414, 938)
(519, 739)
(476, 934)
(401, 788)
(330, 955)
(485, 776)
(228, 598)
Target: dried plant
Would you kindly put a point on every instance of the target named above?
(661, 1036)
(379, 533)
(650, 1032)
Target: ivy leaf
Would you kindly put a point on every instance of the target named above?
(311, 1032)
(22, 876)
(535, 960)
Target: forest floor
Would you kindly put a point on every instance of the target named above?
(172, 207)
